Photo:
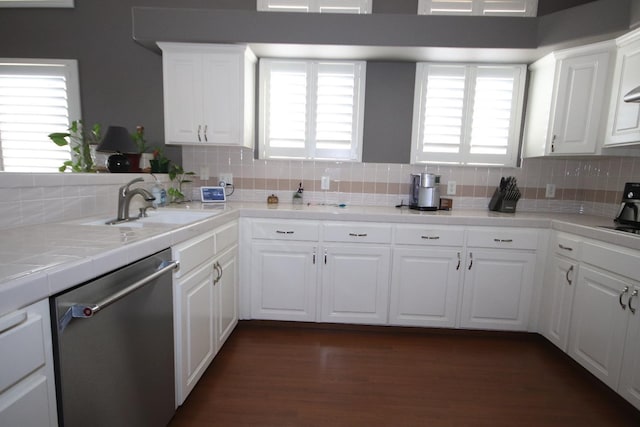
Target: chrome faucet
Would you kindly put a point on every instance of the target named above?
(124, 198)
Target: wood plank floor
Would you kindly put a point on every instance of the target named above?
(279, 374)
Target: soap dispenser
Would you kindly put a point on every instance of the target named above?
(158, 191)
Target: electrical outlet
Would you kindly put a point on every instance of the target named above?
(550, 191)
(451, 188)
(325, 183)
(226, 177)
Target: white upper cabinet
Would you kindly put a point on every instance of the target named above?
(478, 7)
(208, 94)
(623, 126)
(565, 111)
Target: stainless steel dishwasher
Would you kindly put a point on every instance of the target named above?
(113, 347)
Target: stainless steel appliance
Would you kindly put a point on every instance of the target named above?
(628, 216)
(113, 347)
(425, 192)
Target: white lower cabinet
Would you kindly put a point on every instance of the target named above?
(355, 284)
(497, 289)
(205, 302)
(599, 324)
(562, 275)
(283, 278)
(629, 386)
(27, 390)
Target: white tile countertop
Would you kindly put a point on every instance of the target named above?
(39, 261)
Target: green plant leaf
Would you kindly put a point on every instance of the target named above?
(59, 138)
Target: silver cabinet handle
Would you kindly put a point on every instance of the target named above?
(631, 308)
(553, 143)
(218, 268)
(325, 257)
(314, 256)
(431, 237)
(205, 134)
(199, 139)
(12, 320)
(83, 311)
(471, 260)
(569, 281)
(624, 291)
(503, 240)
(358, 234)
(565, 248)
(458, 266)
(284, 232)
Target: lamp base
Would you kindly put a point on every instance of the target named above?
(117, 163)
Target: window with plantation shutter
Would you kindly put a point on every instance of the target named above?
(319, 6)
(478, 7)
(467, 114)
(36, 98)
(311, 109)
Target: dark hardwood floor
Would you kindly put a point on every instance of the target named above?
(279, 374)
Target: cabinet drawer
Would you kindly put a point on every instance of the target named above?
(625, 262)
(226, 236)
(429, 235)
(286, 230)
(193, 253)
(357, 232)
(21, 346)
(567, 245)
(503, 238)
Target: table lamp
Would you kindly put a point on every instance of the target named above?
(117, 140)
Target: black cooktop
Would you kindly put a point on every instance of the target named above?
(623, 228)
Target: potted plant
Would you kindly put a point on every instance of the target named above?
(82, 144)
(141, 143)
(176, 192)
(159, 163)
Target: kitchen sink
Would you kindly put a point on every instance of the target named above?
(155, 217)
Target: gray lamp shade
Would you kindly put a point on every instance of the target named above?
(117, 140)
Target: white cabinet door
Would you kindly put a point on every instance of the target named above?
(196, 322)
(283, 280)
(579, 104)
(183, 97)
(497, 289)
(623, 126)
(562, 279)
(355, 284)
(425, 286)
(226, 295)
(222, 81)
(629, 386)
(599, 324)
(208, 94)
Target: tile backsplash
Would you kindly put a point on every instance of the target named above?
(586, 185)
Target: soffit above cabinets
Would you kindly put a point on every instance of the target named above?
(393, 37)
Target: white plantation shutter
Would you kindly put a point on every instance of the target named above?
(321, 6)
(478, 7)
(311, 109)
(35, 100)
(36, 3)
(467, 114)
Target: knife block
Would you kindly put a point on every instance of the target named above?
(499, 203)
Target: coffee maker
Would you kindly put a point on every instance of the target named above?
(628, 214)
(425, 192)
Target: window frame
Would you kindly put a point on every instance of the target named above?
(478, 9)
(465, 157)
(37, 3)
(317, 6)
(310, 142)
(64, 67)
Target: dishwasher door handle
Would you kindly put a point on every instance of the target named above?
(83, 311)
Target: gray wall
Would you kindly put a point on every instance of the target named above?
(121, 81)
